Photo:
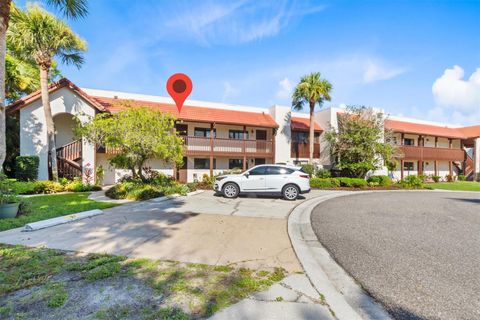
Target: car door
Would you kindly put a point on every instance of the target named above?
(254, 180)
(276, 178)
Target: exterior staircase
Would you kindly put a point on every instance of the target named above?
(68, 158)
(469, 168)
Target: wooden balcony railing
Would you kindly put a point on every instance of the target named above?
(431, 153)
(302, 150)
(202, 146)
(71, 151)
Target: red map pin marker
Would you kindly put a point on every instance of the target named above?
(179, 87)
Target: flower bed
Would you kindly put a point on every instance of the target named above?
(49, 187)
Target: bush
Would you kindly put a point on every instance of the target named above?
(436, 178)
(141, 190)
(352, 182)
(412, 181)
(76, 185)
(449, 178)
(319, 183)
(308, 169)
(461, 178)
(26, 168)
(24, 187)
(380, 180)
(47, 187)
(323, 174)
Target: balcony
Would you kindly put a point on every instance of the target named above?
(431, 153)
(201, 146)
(301, 150)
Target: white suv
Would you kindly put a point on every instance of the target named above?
(288, 181)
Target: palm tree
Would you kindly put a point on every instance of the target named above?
(70, 8)
(311, 89)
(39, 35)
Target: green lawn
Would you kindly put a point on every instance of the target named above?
(51, 206)
(53, 283)
(457, 185)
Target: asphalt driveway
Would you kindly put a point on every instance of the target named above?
(416, 252)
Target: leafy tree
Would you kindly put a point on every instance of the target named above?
(311, 90)
(70, 8)
(38, 35)
(361, 144)
(135, 135)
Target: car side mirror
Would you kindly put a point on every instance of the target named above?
(246, 174)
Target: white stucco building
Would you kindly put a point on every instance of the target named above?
(220, 137)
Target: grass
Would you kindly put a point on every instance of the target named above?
(182, 291)
(457, 185)
(51, 206)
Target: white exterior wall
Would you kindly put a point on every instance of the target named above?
(476, 159)
(33, 133)
(282, 116)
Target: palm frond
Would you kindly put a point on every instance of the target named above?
(72, 9)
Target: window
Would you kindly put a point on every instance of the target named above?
(203, 163)
(408, 142)
(278, 170)
(235, 163)
(408, 166)
(237, 134)
(260, 171)
(204, 132)
(259, 161)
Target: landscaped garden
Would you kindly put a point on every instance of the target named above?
(46, 283)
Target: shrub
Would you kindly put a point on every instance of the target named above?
(8, 193)
(308, 169)
(422, 177)
(436, 178)
(26, 168)
(319, 183)
(76, 185)
(352, 182)
(323, 174)
(24, 187)
(449, 178)
(47, 187)
(461, 178)
(380, 180)
(144, 193)
(412, 181)
(141, 190)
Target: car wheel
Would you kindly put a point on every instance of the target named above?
(290, 192)
(230, 190)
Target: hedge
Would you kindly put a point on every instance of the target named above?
(380, 180)
(26, 168)
(337, 182)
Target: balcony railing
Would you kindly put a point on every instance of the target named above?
(202, 146)
(302, 150)
(431, 153)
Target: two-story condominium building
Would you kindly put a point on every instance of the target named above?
(220, 137)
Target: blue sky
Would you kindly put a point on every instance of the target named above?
(411, 58)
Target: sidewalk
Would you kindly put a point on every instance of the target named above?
(292, 298)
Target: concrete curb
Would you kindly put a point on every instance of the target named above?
(344, 296)
(34, 226)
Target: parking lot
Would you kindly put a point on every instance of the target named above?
(202, 228)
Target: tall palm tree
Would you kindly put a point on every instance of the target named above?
(70, 8)
(39, 35)
(311, 89)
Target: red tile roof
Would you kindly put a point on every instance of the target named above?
(197, 114)
(471, 132)
(303, 124)
(424, 129)
(54, 86)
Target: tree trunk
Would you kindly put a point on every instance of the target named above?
(4, 17)
(49, 121)
(312, 130)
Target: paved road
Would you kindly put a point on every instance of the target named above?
(416, 252)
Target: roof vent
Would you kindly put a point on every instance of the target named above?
(115, 97)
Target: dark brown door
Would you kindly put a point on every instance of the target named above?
(261, 137)
(182, 129)
(182, 172)
(259, 161)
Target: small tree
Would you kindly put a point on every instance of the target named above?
(360, 144)
(135, 135)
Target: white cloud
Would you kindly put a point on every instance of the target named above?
(452, 91)
(285, 89)
(229, 91)
(213, 22)
(378, 70)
